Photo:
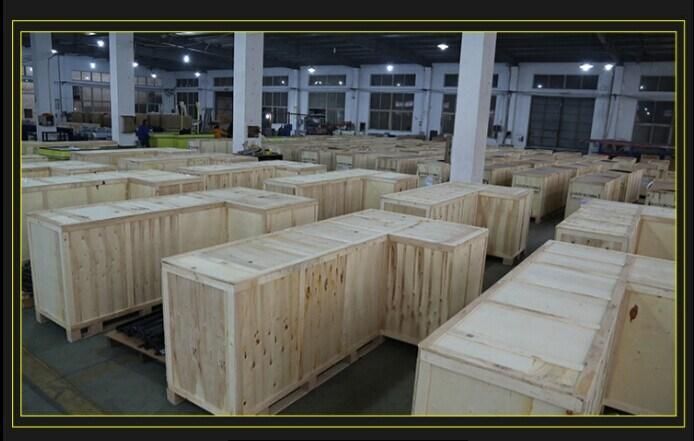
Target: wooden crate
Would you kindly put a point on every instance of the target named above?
(345, 191)
(651, 170)
(175, 162)
(637, 229)
(211, 145)
(32, 147)
(61, 168)
(151, 183)
(564, 156)
(433, 172)
(547, 185)
(504, 211)
(595, 186)
(661, 193)
(631, 184)
(399, 163)
(251, 174)
(555, 336)
(248, 324)
(502, 173)
(364, 159)
(112, 156)
(624, 162)
(94, 263)
(33, 158)
(325, 156)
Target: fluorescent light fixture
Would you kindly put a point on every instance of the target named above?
(585, 67)
(91, 34)
(31, 69)
(539, 86)
(135, 64)
(282, 81)
(92, 65)
(608, 67)
(153, 75)
(100, 43)
(197, 74)
(53, 51)
(268, 116)
(311, 70)
(186, 58)
(390, 68)
(340, 82)
(641, 87)
(442, 46)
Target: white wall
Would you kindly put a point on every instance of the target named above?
(613, 116)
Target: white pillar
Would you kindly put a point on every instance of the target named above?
(41, 53)
(472, 106)
(513, 92)
(121, 57)
(248, 85)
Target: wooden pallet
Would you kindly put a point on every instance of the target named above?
(312, 383)
(99, 326)
(120, 338)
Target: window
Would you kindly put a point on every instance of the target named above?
(657, 83)
(276, 80)
(450, 80)
(223, 81)
(275, 104)
(85, 75)
(327, 80)
(495, 81)
(586, 82)
(560, 123)
(654, 123)
(91, 99)
(448, 114)
(190, 99)
(28, 71)
(148, 81)
(329, 105)
(391, 111)
(147, 101)
(187, 82)
(393, 80)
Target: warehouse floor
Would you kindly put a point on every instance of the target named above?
(91, 376)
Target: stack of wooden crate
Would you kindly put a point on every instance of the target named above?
(593, 185)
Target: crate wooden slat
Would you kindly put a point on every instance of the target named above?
(593, 185)
(33, 158)
(249, 174)
(250, 322)
(637, 229)
(211, 145)
(554, 336)
(365, 159)
(96, 262)
(175, 162)
(325, 156)
(32, 147)
(433, 172)
(504, 211)
(632, 183)
(404, 163)
(61, 168)
(661, 193)
(345, 191)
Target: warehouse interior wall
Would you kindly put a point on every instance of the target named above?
(616, 97)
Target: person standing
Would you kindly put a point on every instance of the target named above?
(143, 134)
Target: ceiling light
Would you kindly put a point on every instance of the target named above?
(53, 51)
(641, 87)
(442, 46)
(539, 86)
(585, 67)
(608, 67)
(282, 81)
(268, 116)
(100, 43)
(186, 58)
(92, 65)
(90, 33)
(153, 75)
(197, 74)
(31, 69)
(340, 82)
(311, 69)
(135, 64)
(390, 68)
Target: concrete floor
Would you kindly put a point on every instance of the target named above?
(91, 376)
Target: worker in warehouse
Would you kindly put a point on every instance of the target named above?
(143, 134)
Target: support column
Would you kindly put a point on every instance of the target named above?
(121, 57)
(248, 85)
(472, 106)
(41, 53)
(513, 99)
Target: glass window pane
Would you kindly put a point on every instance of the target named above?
(660, 135)
(283, 99)
(590, 82)
(667, 84)
(96, 76)
(375, 80)
(375, 101)
(540, 81)
(410, 79)
(450, 80)
(341, 100)
(573, 81)
(556, 82)
(86, 76)
(76, 75)
(663, 111)
(648, 83)
(386, 100)
(386, 80)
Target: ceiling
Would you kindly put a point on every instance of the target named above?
(215, 50)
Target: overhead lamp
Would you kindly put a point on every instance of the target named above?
(608, 67)
(311, 69)
(31, 69)
(91, 34)
(197, 74)
(186, 58)
(153, 75)
(135, 64)
(54, 51)
(585, 67)
(442, 46)
(92, 65)
(390, 68)
(268, 116)
(340, 82)
(641, 87)
(539, 86)
(100, 43)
